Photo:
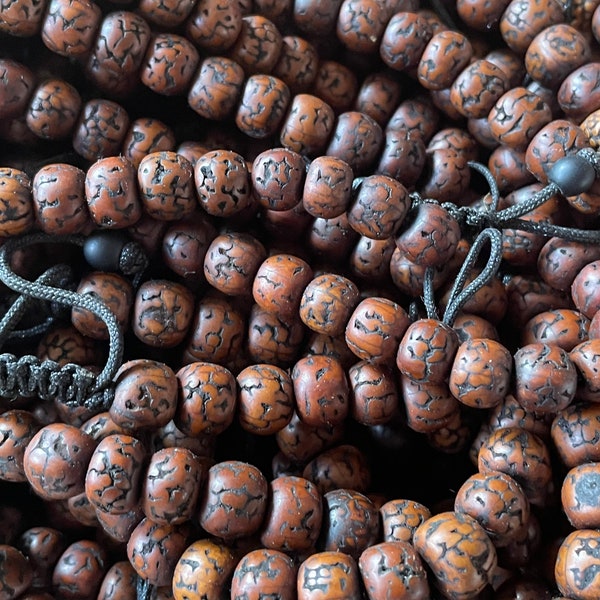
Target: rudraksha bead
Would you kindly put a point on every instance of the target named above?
(100, 130)
(17, 428)
(562, 327)
(213, 26)
(578, 95)
(576, 569)
(234, 500)
(402, 157)
(119, 583)
(70, 28)
(100, 426)
(579, 501)
(400, 519)
(207, 398)
(166, 14)
(585, 356)
(297, 64)
(55, 461)
(264, 571)
(82, 510)
(80, 570)
(294, 514)
(404, 40)
(509, 168)
(206, 567)
(22, 19)
(394, 569)
(145, 395)
(154, 549)
(479, 16)
(328, 187)
(584, 289)
(16, 572)
(120, 527)
(43, 547)
(461, 556)
(330, 575)
(265, 399)
(336, 85)
(146, 136)
(16, 86)
(469, 326)
(15, 195)
(360, 24)
(315, 19)
(378, 97)
(374, 398)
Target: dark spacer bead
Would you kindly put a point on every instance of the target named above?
(572, 174)
(102, 249)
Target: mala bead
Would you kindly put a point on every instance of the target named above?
(510, 62)
(416, 115)
(265, 399)
(407, 275)
(404, 40)
(584, 289)
(343, 466)
(294, 514)
(579, 499)
(374, 394)
(577, 565)
(481, 373)
(378, 97)
(578, 95)
(591, 127)
(114, 474)
(562, 327)
(16, 86)
(222, 183)
(120, 527)
(479, 16)
(213, 26)
(17, 428)
(350, 522)
(234, 500)
(16, 572)
(497, 502)
(232, 261)
(118, 52)
(456, 139)
(375, 329)
(430, 235)
(402, 157)
(297, 64)
(554, 53)
(357, 140)
(327, 303)
(168, 14)
(207, 398)
(584, 356)
(336, 85)
(509, 168)
(509, 413)
(145, 395)
(459, 553)
(370, 259)
(321, 390)
(261, 572)
(82, 510)
(119, 583)
(328, 187)
(315, 18)
(170, 436)
(379, 207)
(328, 575)
(334, 346)
(469, 327)
(264, 103)
(360, 24)
(43, 547)
(162, 313)
(426, 351)
(400, 519)
(55, 461)
(114, 291)
(101, 426)
(22, 19)
(203, 571)
(522, 455)
(80, 570)
(393, 569)
(111, 193)
(100, 130)
(15, 196)
(154, 550)
(216, 88)
(146, 136)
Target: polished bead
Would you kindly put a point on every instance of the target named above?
(572, 174)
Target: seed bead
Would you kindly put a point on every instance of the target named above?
(374, 398)
(43, 547)
(213, 26)
(17, 83)
(100, 426)
(402, 157)
(360, 24)
(119, 583)
(167, 14)
(80, 570)
(297, 64)
(563, 327)
(584, 289)
(579, 500)
(400, 519)
(146, 136)
(313, 18)
(335, 84)
(22, 19)
(585, 356)
(378, 97)
(327, 188)
(16, 200)
(119, 528)
(577, 556)
(328, 574)
(17, 428)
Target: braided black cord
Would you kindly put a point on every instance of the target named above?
(144, 589)
(428, 296)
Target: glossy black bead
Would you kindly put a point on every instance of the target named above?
(572, 174)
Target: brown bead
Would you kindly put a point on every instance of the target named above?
(43, 547)
(265, 399)
(562, 327)
(321, 390)
(55, 461)
(449, 542)
(378, 97)
(17, 215)
(374, 393)
(207, 397)
(585, 356)
(146, 136)
(523, 456)
(400, 519)
(579, 499)
(203, 570)
(264, 571)
(297, 64)
(120, 527)
(80, 570)
(166, 14)
(404, 40)
(554, 53)
(574, 431)
(22, 19)
(578, 95)
(328, 575)
(584, 289)
(69, 28)
(100, 130)
(327, 188)
(577, 565)
(82, 510)
(154, 549)
(64, 344)
(336, 85)
(468, 327)
(360, 24)
(119, 583)
(100, 426)
(145, 395)
(17, 428)
(509, 413)
(214, 26)
(402, 157)
(315, 18)
(509, 168)
(591, 128)
(393, 569)
(16, 86)
(294, 515)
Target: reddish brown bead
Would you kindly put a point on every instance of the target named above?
(554, 53)
(154, 549)
(336, 85)
(468, 327)
(523, 456)
(579, 94)
(17, 215)
(119, 583)
(265, 399)
(70, 28)
(393, 569)
(214, 26)
(585, 357)
(17, 428)
(315, 18)
(16, 572)
(294, 514)
(100, 426)
(461, 556)
(297, 64)
(80, 570)
(562, 327)
(170, 13)
(263, 572)
(400, 519)
(403, 157)
(509, 413)
(42, 546)
(207, 396)
(574, 433)
(146, 136)
(374, 393)
(360, 24)
(22, 19)
(584, 289)
(378, 97)
(120, 527)
(404, 40)
(145, 395)
(576, 569)
(204, 570)
(16, 86)
(579, 499)
(321, 390)
(329, 575)
(328, 187)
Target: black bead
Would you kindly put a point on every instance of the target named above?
(102, 249)
(572, 174)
